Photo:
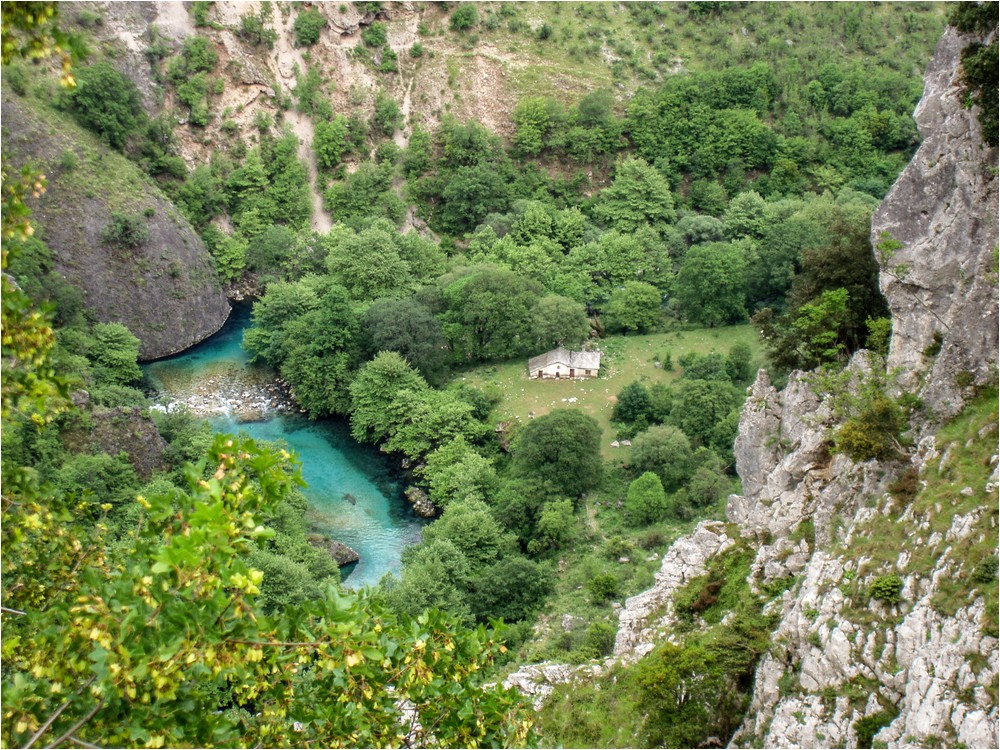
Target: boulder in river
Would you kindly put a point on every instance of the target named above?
(422, 504)
(340, 552)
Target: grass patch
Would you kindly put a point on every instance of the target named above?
(605, 546)
(96, 169)
(599, 45)
(955, 486)
(626, 358)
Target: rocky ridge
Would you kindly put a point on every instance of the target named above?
(941, 282)
(922, 673)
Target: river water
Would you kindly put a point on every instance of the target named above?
(355, 495)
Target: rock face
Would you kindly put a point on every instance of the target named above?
(121, 430)
(829, 648)
(166, 290)
(943, 211)
(921, 675)
(645, 619)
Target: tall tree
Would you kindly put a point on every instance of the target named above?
(490, 314)
(563, 447)
(374, 387)
(559, 321)
(639, 196)
(646, 501)
(710, 284)
(407, 327)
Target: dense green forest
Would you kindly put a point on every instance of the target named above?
(738, 188)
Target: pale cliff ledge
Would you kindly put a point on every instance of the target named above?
(941, 284)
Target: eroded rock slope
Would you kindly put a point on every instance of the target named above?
(918, 668)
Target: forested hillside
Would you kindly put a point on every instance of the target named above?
(418, 197)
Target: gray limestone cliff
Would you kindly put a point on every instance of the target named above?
(920, 667)
(166, 290)
(942, 280)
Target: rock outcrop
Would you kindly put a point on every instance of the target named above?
(920, 674)
(421, 503)
(941, 283)
(841, 656)
(120, 430)
(646, 618)
(165, 290)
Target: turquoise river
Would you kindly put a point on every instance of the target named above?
(355, 495)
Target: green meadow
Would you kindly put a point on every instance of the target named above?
(624, 359)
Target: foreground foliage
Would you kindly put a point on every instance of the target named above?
(164, 643)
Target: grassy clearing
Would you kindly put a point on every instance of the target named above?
(602, 544)
(626, 358)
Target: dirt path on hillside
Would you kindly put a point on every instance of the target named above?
(285, 58)
(401, 43)
(402, 136)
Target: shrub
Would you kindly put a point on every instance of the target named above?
(200, 12)
(887, 589)
(417, 50)
(464, 18)
(986, 570)
(125, 231)
(255, 29)
(68, 160)
(867, 727)
(646, 501)
(262, 121)
(905, 488)
(601, 637)
(874, 433)
(107, 103)
(701, 594)
(88, 19)
(375, 35)
(934, 348)
(308, 26)
(617, 547)
(602, 587)
(199, 54)
(389, 62)
(652, 540)
(15, 76)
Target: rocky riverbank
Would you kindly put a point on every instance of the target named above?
(244, 395)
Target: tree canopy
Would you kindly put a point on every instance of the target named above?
(562, 447)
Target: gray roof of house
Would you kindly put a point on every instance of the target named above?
(563, 356)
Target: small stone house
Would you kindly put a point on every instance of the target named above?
(563, 363)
